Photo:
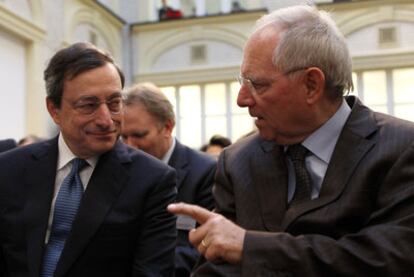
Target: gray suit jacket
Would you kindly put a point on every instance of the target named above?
(361, 225)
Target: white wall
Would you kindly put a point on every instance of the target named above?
(13, 86)
(218, 54)
(365, 41)
(82, 33)
(20, 7)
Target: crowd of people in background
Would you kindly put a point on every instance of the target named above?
(166, 12)
(8, 144)
(215, 145)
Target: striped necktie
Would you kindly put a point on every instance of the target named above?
(66, 207)
(297, 154)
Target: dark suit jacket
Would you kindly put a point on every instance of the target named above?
(362, 224)
(195, 176)
(122, 227)
(7, 144)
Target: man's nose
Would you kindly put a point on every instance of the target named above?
(103, 116)
(245, 98)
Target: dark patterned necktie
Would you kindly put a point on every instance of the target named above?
(297, 154)
(66, 207)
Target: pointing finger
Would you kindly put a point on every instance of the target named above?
(198, 213)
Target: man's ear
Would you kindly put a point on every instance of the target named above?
(169, 126)
(53, 110)
(315, 84)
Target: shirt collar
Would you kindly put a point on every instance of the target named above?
(168, 155)
(66, 155)
(322, 142)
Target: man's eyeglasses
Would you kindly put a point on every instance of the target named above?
(88, 105)
(259, 87)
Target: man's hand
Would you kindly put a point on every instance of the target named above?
(217, 237)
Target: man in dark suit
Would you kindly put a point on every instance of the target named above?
(119, 226)
(327, 187)
(7, 144)
(148, 124)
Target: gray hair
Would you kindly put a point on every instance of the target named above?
(310, 38)
(154, 101)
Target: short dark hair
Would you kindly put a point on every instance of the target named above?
(71, 61)
(220, 141)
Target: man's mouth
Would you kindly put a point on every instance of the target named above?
(100, 133)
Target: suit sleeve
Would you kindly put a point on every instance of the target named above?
(185, 254)
(224, 204)
(204, 192)
(155, 250)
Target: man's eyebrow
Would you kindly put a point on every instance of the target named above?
(141, 133)
(87, 97)
(115, 95)
(93, 97)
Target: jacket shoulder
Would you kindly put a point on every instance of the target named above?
(139, 158)
(247, 145)
(200, 157)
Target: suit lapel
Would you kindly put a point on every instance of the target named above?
(179, 162)
(103, 189)
(270, 179)
(40, 178)
(351, 147)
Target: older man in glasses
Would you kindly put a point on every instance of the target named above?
(327, 186)
(84, 204)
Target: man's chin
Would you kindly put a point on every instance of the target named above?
(266, 137)
(266, 134)
(103, 145)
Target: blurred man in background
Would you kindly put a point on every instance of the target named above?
(215, 145)
(148, 124)
(29, 139)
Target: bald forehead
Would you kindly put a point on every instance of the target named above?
(266, 34)
(263, 41)
(258, 56)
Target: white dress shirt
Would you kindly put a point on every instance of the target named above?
(321, 145)
(168, 155)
